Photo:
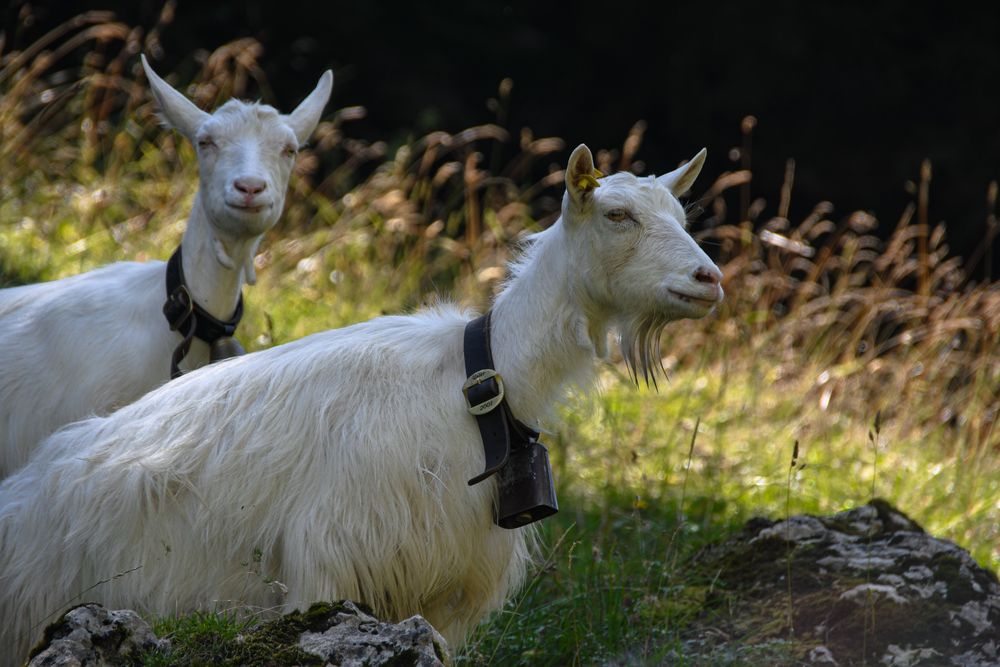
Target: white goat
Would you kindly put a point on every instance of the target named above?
(336, 466)
(91, 343)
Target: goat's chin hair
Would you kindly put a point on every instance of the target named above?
(640, 344)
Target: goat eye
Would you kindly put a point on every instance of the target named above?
(289, 151)
(617, 215)
(207, 142)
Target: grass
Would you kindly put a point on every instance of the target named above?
(199, 638)
(824, 327)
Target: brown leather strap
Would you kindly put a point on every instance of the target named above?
(499, 429)
(493, 425)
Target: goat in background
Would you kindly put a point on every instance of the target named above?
(91, 343)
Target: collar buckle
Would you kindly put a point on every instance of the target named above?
(178, 307)
(485, 387)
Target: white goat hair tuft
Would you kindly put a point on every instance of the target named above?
(336, 466)
(640, 346)
(91, 343)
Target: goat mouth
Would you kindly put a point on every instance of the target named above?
(694, 300)
(248, 209)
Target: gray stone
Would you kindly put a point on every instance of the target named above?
(820, 655)
(339, 633)
(868, 586)
(356, 639)
(92, 635)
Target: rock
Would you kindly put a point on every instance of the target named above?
(868, 586)
(339, 633)
(356, 639)
(92, 635)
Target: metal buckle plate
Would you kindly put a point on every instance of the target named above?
(478, 378)
(178, 307)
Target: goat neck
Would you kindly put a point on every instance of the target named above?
(216, 264)
(539, 332)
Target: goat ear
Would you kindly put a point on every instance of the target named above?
(306, 116)
(681, 179)
(581, 177)
(178, 111)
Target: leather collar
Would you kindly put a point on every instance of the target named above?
(185, 316)
(484, 394)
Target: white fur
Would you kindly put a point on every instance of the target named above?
(338, 464)
(91, 343)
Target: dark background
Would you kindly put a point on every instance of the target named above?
(858, 93)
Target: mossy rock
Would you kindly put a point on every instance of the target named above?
(863, 587)
(341, 633)
(90, 634)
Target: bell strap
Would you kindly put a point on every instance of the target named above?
(185, 316)
(486, 400)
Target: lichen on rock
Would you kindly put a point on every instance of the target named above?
(340, 633)
(354, 638)
(92, 635)
(867, 586)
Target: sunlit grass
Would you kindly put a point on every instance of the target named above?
(616, 584)
(824, 327)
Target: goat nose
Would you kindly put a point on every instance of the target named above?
(249, 185)
(710, 275)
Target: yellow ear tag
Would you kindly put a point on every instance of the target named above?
(589, 181)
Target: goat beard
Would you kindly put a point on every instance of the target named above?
(640, 345)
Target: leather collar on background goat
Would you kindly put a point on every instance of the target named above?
(525, 492)
(185, 316)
